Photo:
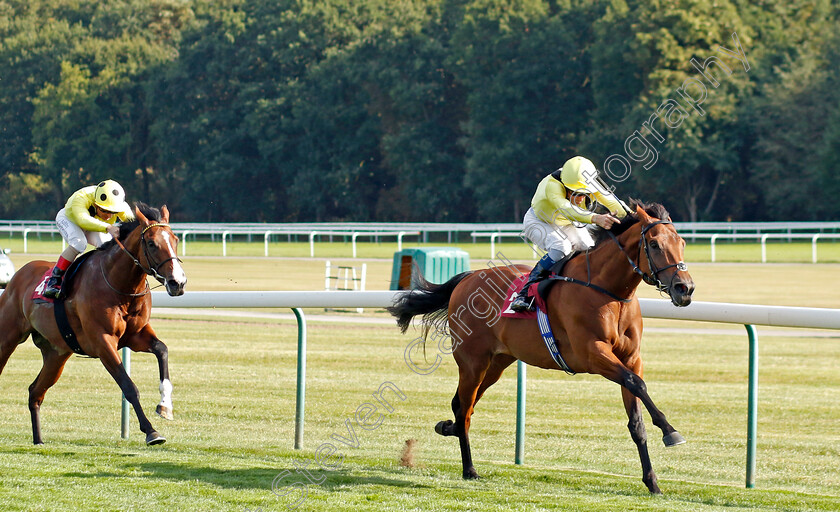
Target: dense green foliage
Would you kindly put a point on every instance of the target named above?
(433, 110)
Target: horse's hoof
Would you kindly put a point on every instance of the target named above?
(673, 439)
(471, 474)
(444, 428)
(164, 412)
(153, 438)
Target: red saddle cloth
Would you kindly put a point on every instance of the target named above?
(38, 293)
(514, 288)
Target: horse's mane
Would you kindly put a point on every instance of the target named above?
(653, 209)
(153, 214)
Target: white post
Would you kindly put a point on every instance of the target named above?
(714, 237)
(312, 243)
(224, 242)
(353, 239)
(267, 236)
(362, 284)
(399, 240)
(493, 244)
(764, 247)
(814, 248)
(25, 233)
(184, 243)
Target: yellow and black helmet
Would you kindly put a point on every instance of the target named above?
(109, 196)
(579, 174)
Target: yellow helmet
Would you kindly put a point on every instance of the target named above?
(578, 174)
(110, 196)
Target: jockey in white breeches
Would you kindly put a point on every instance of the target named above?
(557, 219)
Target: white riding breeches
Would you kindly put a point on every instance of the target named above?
(76, 237)
(557, 241)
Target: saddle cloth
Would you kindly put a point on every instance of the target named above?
(66, 282)
(514, 288)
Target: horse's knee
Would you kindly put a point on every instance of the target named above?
(634, 383)
(158, 347)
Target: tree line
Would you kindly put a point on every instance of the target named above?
(420, 110)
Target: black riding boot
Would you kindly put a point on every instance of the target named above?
(523, 302)
(53, 289)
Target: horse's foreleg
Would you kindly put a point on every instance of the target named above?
(49, 374)
(636, 385)
(605, 363)
(112, 363)
(636, 425)
(147, 341)
(164, 408)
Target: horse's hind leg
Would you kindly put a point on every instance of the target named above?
(54, 362)
(147, 341)
(498, 364)
(12, 333)
(471, 373)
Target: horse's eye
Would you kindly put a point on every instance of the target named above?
(654, 244)
(151, 244)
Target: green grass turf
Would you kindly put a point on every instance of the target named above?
(235, 399)
(234, 429)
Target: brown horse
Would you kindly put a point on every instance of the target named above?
(597, 322)
(108, 306)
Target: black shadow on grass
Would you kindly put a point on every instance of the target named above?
(253, 478)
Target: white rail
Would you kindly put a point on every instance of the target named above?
(723, 312)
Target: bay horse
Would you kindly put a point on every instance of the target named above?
(108, 306)
(597, 322)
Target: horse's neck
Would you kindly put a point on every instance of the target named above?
(609, 263)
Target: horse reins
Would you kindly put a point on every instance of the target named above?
(152, 270)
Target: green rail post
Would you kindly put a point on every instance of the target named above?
(126, 362)
(520, 412)
(752, 406)
(301, 377)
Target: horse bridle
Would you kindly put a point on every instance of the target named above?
(152, 269)
(652, 278)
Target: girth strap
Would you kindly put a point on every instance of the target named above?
(64, 328)
(550, 343)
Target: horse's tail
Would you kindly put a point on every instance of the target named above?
(430, 300)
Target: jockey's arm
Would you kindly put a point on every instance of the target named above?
(555, 192)
(77, 209)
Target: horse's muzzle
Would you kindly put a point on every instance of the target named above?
(681, 290)
(175, 288)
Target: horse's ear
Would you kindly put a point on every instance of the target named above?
(139, 215)
(643, 215)
(164, 214)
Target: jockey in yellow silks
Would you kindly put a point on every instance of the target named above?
(88, 217)
(557, 219)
